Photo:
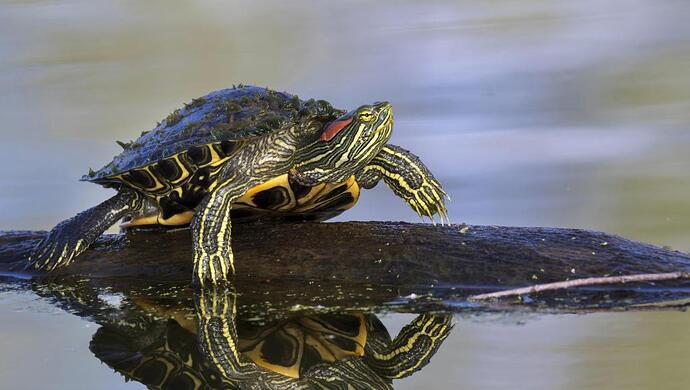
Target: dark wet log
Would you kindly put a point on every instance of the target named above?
(370, 252)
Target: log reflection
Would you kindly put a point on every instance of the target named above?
(201, 341)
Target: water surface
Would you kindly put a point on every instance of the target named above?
(532, 113)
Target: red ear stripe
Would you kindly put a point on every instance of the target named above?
(333, 128)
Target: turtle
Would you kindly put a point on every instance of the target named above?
(216, 348)
(329, 351)
(170, 336)
(241, 153)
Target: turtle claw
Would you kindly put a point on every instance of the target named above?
(212, 269)
(429, 200)
(54, 251)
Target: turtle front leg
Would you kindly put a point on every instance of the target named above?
(73, 236)
(218, 342)
(217, 333)
(211, 232)
(409, 179)
(412, 349)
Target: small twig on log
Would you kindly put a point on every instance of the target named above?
(582, 282)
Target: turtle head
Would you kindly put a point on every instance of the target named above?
(346, 145)
(360, 126)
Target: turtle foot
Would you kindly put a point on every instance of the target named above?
(429, 200)
(213, 269)
(57, 249)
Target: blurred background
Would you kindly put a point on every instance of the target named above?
(538, 112)
(530, 112)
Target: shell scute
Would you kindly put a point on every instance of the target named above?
(224, 117)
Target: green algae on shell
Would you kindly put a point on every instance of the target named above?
(225, 115)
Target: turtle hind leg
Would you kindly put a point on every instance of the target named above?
(73, 236)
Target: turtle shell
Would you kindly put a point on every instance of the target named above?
(224, 115)
(295, 346)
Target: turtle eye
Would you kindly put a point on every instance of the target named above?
(365, 116)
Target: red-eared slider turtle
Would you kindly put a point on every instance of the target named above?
(245, 152)
(346, 351)
(217, 349)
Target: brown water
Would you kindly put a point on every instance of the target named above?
(539, 113)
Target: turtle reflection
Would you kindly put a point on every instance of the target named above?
(218, 350)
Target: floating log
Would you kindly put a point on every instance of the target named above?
(387, 260)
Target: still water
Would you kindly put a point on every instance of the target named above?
(531, 113)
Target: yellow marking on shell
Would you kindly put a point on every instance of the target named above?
(257, 356)
(150, 305)
(213, 185)
(183, 218)
(177, 219)
(214, 155)
(215, 161)
(218, 163)
(120, 178)
(305, 203)
(312, 205)
(158, 185)
(141, 221)
(353, 188)
(169, 367)
(302, 205)
(278, 181)
(184, 171)
(320, 343)
(311, 195)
